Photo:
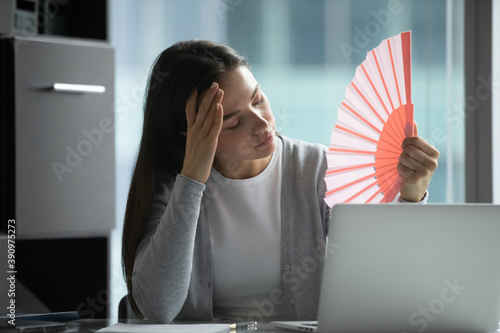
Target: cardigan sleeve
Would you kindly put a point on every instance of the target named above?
(324, 208)
(164, 256)
(423, 201)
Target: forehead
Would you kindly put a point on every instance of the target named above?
(239, 83)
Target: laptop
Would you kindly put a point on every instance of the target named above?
(410, 268)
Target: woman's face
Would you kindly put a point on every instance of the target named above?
(247, 139)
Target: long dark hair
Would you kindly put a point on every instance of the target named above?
(176, 72)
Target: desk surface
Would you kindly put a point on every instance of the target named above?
(92, 325)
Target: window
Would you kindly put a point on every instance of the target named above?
(496, 102)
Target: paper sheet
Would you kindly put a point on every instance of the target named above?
(170, 328)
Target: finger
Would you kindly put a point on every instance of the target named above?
(421, 144)
(404, 171)
(206, 104)
(219, 96)
(411, 163)
(414, 153)
(191, 108)
(211, 116)
(217, 123)
(415, 159)
(415, 128)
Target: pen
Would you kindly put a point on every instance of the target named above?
(245, 324)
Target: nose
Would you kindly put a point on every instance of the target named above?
(259, 122)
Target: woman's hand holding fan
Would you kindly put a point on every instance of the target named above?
(417, 164)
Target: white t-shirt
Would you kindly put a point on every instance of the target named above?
(245, 232)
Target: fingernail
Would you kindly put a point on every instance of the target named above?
(219, 92)
(213, 85)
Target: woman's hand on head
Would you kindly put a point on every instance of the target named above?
(204, 124)
(417, 164)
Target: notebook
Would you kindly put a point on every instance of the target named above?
(410, 268)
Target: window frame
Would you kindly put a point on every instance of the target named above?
(478, 115)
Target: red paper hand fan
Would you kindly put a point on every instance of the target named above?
(374, 118)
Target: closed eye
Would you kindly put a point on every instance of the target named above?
(235, 126)
(259, 101)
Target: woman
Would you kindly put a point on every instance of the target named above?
(226, 218)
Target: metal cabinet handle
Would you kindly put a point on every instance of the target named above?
(78, 88)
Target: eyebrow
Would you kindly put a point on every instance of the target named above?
(234, 113)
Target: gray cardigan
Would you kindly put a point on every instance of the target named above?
(173, 277)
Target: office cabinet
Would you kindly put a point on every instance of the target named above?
(57, 167)
(62, 146)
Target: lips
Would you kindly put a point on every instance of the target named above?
(267, 141)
